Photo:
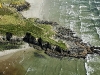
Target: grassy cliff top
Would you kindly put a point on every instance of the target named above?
(12, 21)
(12, 1)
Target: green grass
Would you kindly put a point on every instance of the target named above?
(14, 23)
(4, 11)
(12, 1)
(8, 46)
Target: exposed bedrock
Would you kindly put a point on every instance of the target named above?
(46, 22)
(20, 7)
(77, 48)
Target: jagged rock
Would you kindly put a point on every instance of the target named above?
(40, 42)
(21, 7)
(29, 38)
(8, 36)
(58, 49)
(46, 22)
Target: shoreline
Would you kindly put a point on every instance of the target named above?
(11, 51)
(35, 10)
(78, 48)
(76, 43)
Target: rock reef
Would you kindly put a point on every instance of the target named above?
(77, 48)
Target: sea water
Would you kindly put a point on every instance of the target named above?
(82, 16)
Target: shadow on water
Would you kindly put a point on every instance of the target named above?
(39, 55)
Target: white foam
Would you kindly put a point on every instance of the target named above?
(35, 9)
(88, 68)
(98, 31)
(22, 59)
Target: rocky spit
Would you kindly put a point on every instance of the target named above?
(75, 46)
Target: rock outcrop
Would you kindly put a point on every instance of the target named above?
(20, 7)
(8, 36)
(46, 22)
(77, 47)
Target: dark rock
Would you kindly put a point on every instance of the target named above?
(27, 37)
(40, 42)
(58, 49)
(46, 22)
(68, 52)
(21, 7)
(39, 55)
(47, 46)
(32, 40)
(8, 36)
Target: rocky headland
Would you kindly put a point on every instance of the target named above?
(75, 47)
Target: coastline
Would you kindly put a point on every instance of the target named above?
(11, 51)
(35, 13)
(64, 34)
(35, 9)
(8, 53)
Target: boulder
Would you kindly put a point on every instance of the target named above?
(40, 42)
(8, 36)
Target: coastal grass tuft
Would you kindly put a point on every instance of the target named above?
(8, 46)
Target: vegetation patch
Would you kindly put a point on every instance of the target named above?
(12, 1)
(13, 22)
(8, 46)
